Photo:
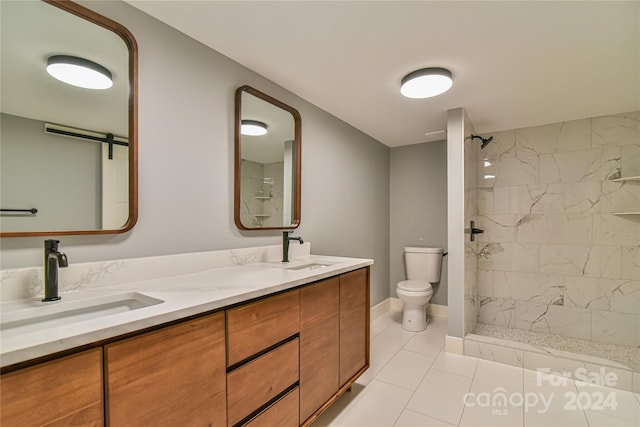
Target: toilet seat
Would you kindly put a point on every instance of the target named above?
(416, 286)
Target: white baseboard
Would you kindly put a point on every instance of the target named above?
(380, 309)
(438, 310)
(454, 345)
(394, 304)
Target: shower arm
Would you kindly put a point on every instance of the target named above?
(485, 141)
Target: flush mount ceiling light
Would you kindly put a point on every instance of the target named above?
(79, 72)
(252, 127)
(426, 83)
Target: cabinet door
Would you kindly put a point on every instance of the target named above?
(354, 323)
(64, 392)
(319, 340)
(171, 377)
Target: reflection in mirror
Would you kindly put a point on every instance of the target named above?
(267, 162)
(68, 153)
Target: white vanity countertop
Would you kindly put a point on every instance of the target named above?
(183, 295)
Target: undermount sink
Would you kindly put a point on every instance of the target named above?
(310, 266)
(40, 316)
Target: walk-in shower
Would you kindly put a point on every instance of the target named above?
(554, 280)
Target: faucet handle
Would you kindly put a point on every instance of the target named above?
(51, 244)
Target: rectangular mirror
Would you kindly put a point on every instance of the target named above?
(68, 153)
(267, 162)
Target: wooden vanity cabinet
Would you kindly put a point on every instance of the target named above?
(319, 344)
(263, 355)
(334, 339)
(253, 327)
(354, 324)
(63, 392)
(260, 381)
(283, 413)
(278, 361)
(170, 377)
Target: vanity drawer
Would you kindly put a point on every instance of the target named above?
(283, 413)
(256, 326)
(254, 384)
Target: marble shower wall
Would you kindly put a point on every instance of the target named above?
(262, 193)
(273, 185)
(554, 257)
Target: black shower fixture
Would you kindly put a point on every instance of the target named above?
(485, 141)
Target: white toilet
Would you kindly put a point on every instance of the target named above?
(423, 269)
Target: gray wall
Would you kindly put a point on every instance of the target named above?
(186, 93)
(59, 176)
(418, 199)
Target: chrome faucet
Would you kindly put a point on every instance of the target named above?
(52, 260)
(285, 244)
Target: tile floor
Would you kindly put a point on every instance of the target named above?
(412, 381)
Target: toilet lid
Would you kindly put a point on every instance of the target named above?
(416, 286)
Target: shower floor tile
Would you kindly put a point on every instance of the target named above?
(628, 357)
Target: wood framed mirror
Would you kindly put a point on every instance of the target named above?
(68, 153)
(267, 162)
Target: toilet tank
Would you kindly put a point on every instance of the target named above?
(423, 263)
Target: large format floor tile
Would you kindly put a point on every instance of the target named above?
(456, 364)
(598, 419)
(425, 344)
(409, 418)
(413, 382)
(610, 401)
(379, 404)
(406, 369)
(491, 375)
(546, 404)
(440, 396)
(495, 397)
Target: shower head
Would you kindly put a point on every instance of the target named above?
(485, 141)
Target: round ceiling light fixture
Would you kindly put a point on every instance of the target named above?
(79, 72)
(252, 127)
(426, 82)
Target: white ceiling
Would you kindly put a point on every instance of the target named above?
(515, 63)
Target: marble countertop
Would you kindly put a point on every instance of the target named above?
(181, 295)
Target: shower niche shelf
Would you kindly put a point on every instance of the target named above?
(626, 213)
(259, 218)
(627, 179)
